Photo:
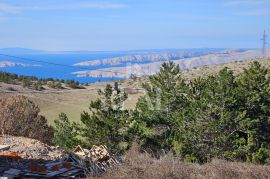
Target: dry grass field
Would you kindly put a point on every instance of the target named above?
(74, 101)
(70, 101)
(143, 166)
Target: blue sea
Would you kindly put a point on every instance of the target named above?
(44, 70)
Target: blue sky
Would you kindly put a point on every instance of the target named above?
(132, 24)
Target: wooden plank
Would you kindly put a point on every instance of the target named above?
(62, 170)
(4, 147)
(13, 171)
(8, 176)
(71, 173)
(34, 175)
(50, 165)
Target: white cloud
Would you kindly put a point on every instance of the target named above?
(8, 8)
(246, 3)
(2, 19)
(255, 12)
(81, 5)
(249, 7)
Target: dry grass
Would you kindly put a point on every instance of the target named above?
(70, 101)
(237, 67)
(139, 165)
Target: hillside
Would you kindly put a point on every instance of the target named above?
(54, 101)
(167, 164)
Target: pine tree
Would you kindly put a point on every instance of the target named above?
(210, 118)
(66, 132)
(255, 104)
(165, 94)
(107, 123)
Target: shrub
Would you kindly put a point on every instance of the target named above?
(26, 83)
(37, 86)
(19, 117)
(55, 85)
(262, 156)
(107, 123)
(65, 134)
(72, 84)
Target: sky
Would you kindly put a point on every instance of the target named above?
(101, 25)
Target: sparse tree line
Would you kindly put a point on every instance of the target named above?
(37, 83)
(219, 116)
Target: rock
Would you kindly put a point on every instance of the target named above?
(31, 148)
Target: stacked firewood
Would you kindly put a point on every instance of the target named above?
(95, 161)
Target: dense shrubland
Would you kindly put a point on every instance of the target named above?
(37, 83)
(221, 116)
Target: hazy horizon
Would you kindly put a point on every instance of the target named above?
(127, 50)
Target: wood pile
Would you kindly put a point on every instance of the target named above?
(57, 163)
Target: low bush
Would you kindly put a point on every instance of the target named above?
(19, 117)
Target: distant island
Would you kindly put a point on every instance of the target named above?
(14, 64)
(153, 67)
(146, 58)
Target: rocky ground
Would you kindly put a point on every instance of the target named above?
(31, 149)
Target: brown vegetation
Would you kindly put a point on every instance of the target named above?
(19, 117)
(142, 165)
